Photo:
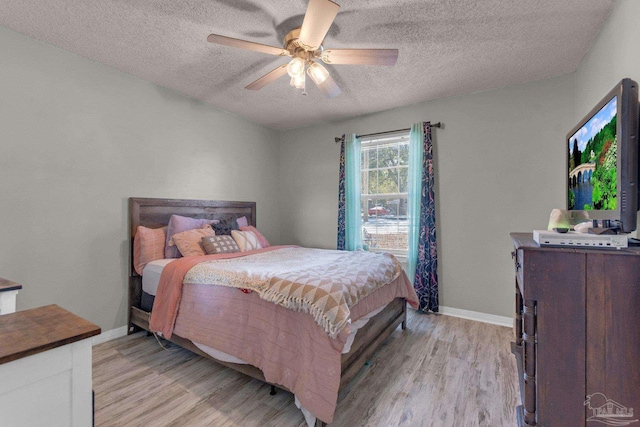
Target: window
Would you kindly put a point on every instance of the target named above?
(385, 171)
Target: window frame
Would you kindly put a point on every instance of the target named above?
(398, 139)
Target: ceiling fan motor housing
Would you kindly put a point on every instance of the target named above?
(296, 48)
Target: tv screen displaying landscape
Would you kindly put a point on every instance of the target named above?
(593, 162)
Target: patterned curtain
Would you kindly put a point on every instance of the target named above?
(349, 193)
(341, 201)
(426, 276)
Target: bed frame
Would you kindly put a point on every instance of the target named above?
(155, 213)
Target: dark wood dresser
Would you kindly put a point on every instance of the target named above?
(577, 335)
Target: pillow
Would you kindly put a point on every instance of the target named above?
(188, 242)
(219, 245)
(246, 240)
(263, 241)
(178, 224)
(148, 245)
(224, 227)
(242, 222)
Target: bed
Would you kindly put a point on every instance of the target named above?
(155, 213)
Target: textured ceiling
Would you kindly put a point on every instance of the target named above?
(447, 47)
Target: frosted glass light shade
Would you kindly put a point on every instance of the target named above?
(297, 81)
(317, 73)
(296, 67)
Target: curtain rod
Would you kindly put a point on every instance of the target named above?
(435, 125)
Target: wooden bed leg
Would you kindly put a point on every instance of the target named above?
(403, 325)
(273, 390)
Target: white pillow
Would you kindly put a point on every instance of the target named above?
(246, 240)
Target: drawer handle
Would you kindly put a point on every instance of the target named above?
(517, 264)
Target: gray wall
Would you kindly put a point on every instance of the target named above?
(78, 139)
(499, 165)
(613, 56)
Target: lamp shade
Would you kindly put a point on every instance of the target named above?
(298, 81)
(317, 73)
(296, 67)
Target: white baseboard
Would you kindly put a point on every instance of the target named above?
(110, 335)
(477, 316)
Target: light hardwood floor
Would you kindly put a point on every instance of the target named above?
(441, 371)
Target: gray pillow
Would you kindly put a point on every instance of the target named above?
(219, 245)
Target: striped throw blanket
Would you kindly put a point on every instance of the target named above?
(320, 282)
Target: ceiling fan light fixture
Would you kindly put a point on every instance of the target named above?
(305, 45)
(296, 67)
(298, 81)
(317, 73)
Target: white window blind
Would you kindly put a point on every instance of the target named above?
(385, 164)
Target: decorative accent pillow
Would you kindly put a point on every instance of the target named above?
(188, 242)
(242, 222)
(263, 241)
(178, 224)
(224, 227)
(148, 245)
(219, 245)
(246, 240)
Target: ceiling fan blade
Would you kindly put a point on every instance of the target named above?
(317, 21)
(360, 56)
(243, 44)
(270, 77)
(329, 88)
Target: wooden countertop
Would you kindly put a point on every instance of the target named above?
(7, 285)
(29, 332)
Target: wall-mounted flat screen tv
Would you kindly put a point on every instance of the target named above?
(602, 160)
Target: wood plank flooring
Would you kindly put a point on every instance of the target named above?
(442, 371)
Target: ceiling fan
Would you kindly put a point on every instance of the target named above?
(304, 45)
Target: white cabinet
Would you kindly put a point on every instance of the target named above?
(45, 369)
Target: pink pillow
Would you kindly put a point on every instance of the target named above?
(178, 224)
(148, 245)
(261, 239)
(188, 242)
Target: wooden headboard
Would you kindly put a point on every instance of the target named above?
(155, 213)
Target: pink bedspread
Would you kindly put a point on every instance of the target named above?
(165, 304)
(288, 346)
